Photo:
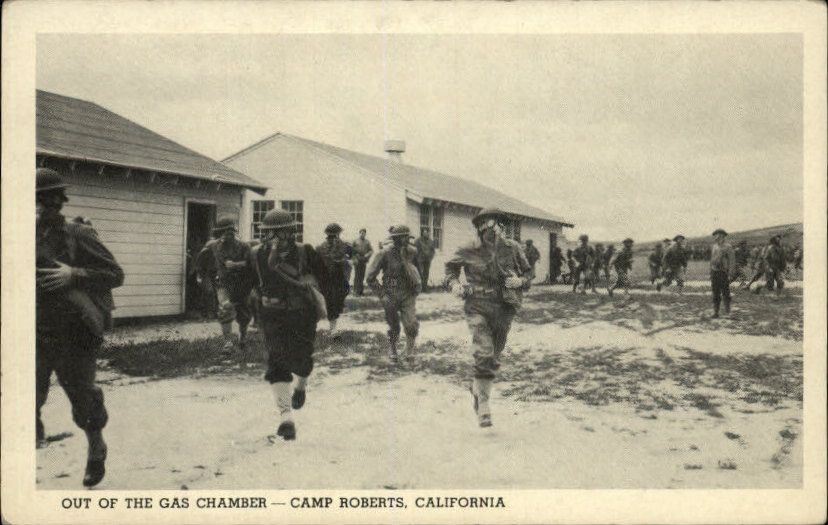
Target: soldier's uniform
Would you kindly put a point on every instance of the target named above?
(584, 257)
(288, 315)
(654, 262)
(362, 252)
(336, 255)
(71, 317)
(401, 283)
(532, 255)
(425, 254)
(496, 273)
(674, 264)
(555, 264)
(224, 262)
(775, 264)
(722, 265)
(623, 265)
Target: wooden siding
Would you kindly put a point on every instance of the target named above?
(143, 225)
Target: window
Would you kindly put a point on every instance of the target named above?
(296, 208)
(431, 222)
(260, 209)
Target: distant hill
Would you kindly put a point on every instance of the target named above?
(791, 236)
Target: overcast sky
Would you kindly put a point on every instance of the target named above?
(623, 135)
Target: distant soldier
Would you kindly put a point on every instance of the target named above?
(623, 264)
(775, 264)
(225, 263)
(742, 261)
(532, 254)
(74, 280)
(336, 255)
(607, 262)
(362, 252)
(674, 264)
(572, 265)
(584, 258)
(654, 261)
(401, 283)
(287, 273)
(496, 272)
(722, 266)
(425, 254)
(556, 261)
(597, 266)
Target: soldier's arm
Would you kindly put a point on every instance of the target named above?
(454, 266)
(97, 268)
(316, 266)
(374, 268)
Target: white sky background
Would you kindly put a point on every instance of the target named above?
(624, 135)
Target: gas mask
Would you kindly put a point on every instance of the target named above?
(488, 230)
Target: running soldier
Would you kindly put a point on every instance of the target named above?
(362, 251)
(605, 264)
(555, 263)
(336, 255)
(287, 272)
(74, 281)
(722, 266)
(224, 262)
(623, 264)
(654, 261)
(425, 254)
(775, 264)
(401, 283)
(675, 264)
(597, 266)
(496, 272)
(584, 258)
(532, 255)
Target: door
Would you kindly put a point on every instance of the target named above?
(200, 220)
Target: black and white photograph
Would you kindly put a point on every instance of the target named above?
(403, 271)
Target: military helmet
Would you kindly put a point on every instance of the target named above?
(718, 231)
(49, 180)
(489, 213)
(626, 241)
(333, 229)
(224, 224)
(400, 230)
(583, 237)
(277, 220)
(678, 237)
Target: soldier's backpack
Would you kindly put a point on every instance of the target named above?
(306, 282)
(95, 311)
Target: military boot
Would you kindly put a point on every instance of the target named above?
(481, 391)
(410, 347)
(96, 459)
(392, 350)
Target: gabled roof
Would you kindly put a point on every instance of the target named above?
(76, 129)
(426, 183)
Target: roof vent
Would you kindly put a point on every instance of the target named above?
(395, 149)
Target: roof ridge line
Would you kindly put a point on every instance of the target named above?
(253, 146)
(308, 144)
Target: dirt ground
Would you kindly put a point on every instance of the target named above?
(644, 391)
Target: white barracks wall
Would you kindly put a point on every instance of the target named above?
(142, 224)
(332, 190)
(457, 230)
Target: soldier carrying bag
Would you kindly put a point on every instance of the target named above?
(306, 282)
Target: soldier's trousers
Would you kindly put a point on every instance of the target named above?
(359, 277)
(671, 274)
(70, 353)
(233, 305)
(776, 277)
(289, 336)
(655, 273)
(720, 283)
(489, 321)
(424, 267)
(554, 273)
(401, 310)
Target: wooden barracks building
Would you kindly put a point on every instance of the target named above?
(321, 184)
(150, 199)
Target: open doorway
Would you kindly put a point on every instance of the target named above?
(198, 301)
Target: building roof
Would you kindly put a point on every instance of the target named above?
(426, 183)
(76, 129)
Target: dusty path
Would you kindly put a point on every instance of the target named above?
(594, 394)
